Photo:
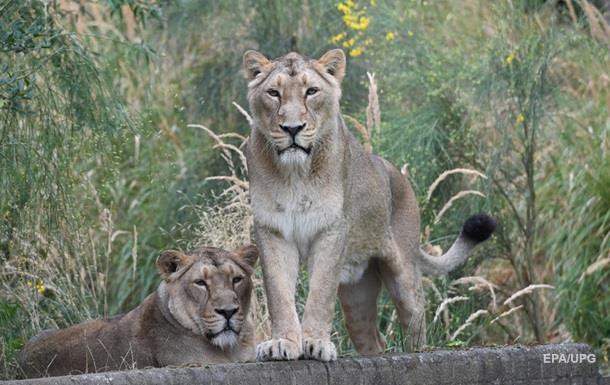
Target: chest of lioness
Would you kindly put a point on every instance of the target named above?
(297, 209)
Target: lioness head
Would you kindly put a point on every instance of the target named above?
(291, 99)
(208, 290)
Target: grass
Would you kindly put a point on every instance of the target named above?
(104, 162)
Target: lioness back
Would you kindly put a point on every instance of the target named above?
(198, 315)
(94, 346)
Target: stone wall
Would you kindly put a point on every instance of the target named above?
(505, 365)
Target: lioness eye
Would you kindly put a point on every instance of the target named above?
(237, 280)
(312, 91)
(273, 93)
(200, 282)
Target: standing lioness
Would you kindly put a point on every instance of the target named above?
(198, 315)
(320, 199)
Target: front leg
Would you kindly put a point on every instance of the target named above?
(280, 262)
(326, 258)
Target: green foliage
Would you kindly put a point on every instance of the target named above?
(579, 241)
(54, 106)
(56, 114)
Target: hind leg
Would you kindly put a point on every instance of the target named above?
(404, 285)
(359, 305)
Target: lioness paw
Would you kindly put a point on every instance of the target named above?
(317, 349)
(277, 349)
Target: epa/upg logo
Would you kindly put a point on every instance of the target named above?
(568, 358)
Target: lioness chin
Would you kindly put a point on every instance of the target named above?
(320, 199)
(198, 315)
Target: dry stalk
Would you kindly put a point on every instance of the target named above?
(507, 313)
(445, 174)
(225, 147)
(236, 181)
(430, 283)
(527, 290)
(234, 135)
(457, 196)
(597, 265)
(469, 322)
(597, 23)
(373, 112)
(363, 131)
(479, 282)
(391, 331)
(243, 112)
(446, 303)
(571, 11)
(239, 189)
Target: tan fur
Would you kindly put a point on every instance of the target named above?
(348, 215)
(178, 324)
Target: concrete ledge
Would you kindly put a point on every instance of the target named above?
(506, 365)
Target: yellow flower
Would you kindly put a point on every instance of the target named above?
(356, 51)
(337, 38)
(410, 33)
(390, 36)
(40, 288)
(344, 8)
(349, 43)
(520, 118)
(29, 283)
(355, 22)
(510, 58)
(363, 24)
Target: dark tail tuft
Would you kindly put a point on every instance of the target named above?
(479, 227)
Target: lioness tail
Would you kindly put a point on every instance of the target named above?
(476, 229)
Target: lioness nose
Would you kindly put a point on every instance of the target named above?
(227, 313)
(293, 130)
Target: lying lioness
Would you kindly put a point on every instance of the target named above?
(198, 315)
(320, 199)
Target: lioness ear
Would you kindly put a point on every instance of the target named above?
(248, 254)
(254, 63)
(171, 261)
(333, 62)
